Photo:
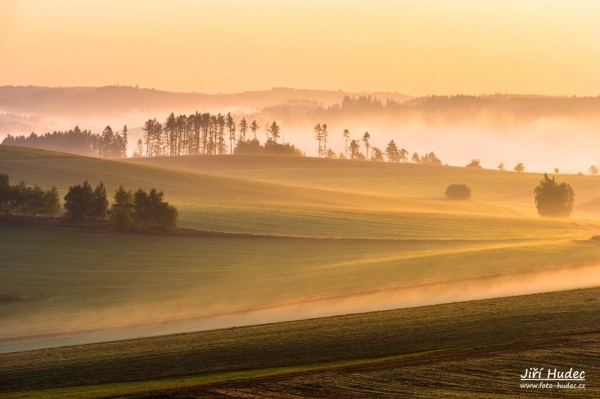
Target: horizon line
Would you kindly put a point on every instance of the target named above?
(274, 88)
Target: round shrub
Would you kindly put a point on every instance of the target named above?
(554, 199)
(458, 191)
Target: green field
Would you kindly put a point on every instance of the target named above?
(332, 237)
(320, 238)
(71, 287)
(510, 192)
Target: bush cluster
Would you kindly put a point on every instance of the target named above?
(85, 205)
(20, 199)
(139, 210)
(553, 199)
(458, 191)
(253, 147)
(142, 210)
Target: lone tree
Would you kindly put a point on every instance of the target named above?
(319, 138)
(354, 150)
(346, 138)
(392, 152)
(458, 191)
(366, 137)
(274, 129)
(243, 129)
(520, 167)
(501, 166)
(593, 170)
(254, 128)
(553, 199)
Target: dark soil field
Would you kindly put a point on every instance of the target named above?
(469, 349)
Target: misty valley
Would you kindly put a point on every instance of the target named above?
(286, 200)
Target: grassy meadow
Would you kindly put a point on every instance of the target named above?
(318, 238)
(409, 184)
(323, 237)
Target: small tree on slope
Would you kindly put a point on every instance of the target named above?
(553, 199)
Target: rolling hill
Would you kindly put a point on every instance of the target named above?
(327, 237)
(402, 181)
(118, 100)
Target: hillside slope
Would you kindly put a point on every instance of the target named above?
(406, 181)
(369, 201)
(316, 251)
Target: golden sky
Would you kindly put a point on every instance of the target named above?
(410, 46)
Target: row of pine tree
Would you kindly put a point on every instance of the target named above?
(209, 134)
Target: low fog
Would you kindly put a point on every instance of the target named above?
(543, 133)
(542, 142)
(541, 145)
(135, 320)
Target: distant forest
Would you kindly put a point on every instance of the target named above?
(114, 100)
(194, 134)
(81, 101)
(494, 108)
(108, 144)
(209, 134)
